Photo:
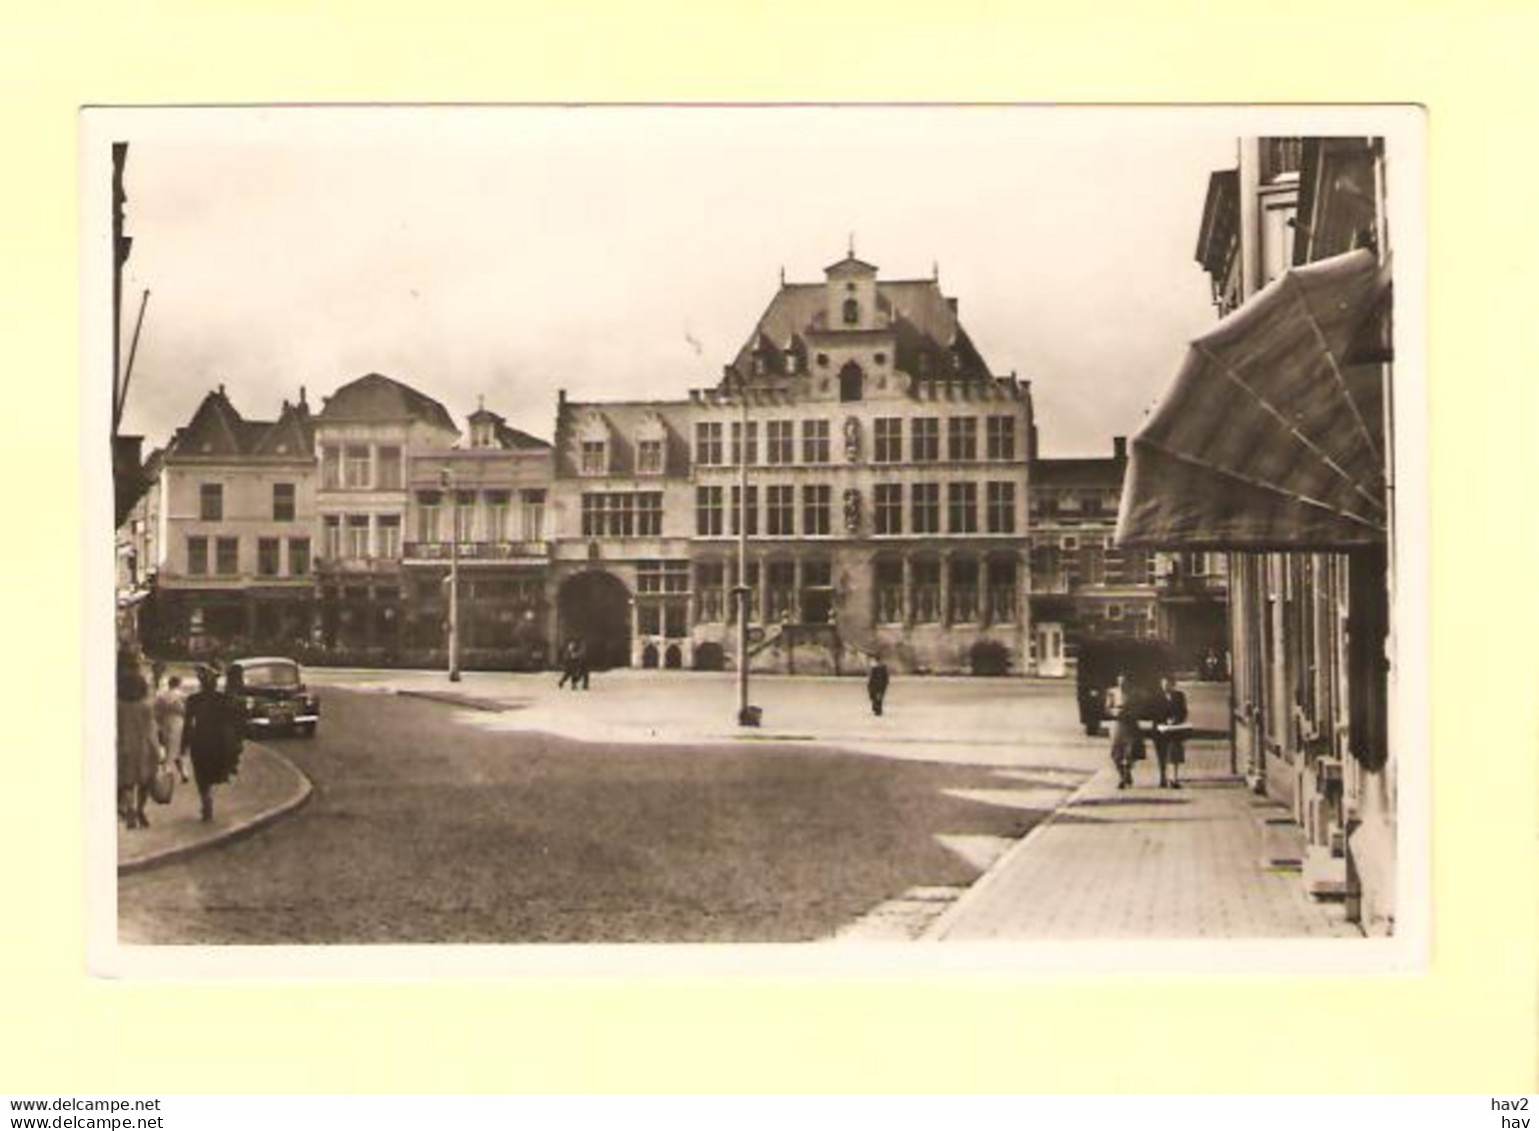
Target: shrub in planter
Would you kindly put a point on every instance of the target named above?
(989, 657)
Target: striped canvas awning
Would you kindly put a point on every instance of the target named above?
(1270, 437)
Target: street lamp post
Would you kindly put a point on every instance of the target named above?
(446, 479)
(745, 715)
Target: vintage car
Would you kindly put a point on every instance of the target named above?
(272, 691)
(1103, 658)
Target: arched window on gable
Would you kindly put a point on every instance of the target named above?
(851, 312)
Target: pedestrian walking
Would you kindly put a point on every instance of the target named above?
(170, 717)
(569, 664)
(580, 664)
(1170, 731)
(138, 751)
(1127, 740)
(876, 684)
(212, 735)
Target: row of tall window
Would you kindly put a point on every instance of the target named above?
(485, 516)
(963, 590)
(225, 558)
(784, 598)
(717, 509)
(780, 510)
(375, 467)
(789, 443)
(622, 514)
(211, 502)
(958, 591)
(718, 446)
(359, 537)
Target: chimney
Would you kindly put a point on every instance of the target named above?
(304, 405)
(1119, 447)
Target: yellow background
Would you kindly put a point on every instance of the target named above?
(1468, 1026)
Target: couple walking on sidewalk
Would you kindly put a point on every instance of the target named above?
(157, 729)
(1167, 711)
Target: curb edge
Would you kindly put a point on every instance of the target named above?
(236, 832)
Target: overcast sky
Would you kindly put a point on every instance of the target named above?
(510, 253)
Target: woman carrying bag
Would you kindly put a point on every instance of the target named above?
(138, 751)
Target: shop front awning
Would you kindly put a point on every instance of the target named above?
(1271, 436)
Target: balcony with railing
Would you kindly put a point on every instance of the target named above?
(478, 552)
(1177, 584)
(372, 564)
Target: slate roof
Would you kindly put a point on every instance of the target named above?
(377, 397)
(922, 318)
(508, 438)
(623, 421)
(217, 430)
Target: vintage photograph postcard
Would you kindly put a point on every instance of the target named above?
(619, 537)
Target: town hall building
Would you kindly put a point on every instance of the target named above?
(884, 496)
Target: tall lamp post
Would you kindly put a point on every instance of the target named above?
(446, 481)
(746, 715)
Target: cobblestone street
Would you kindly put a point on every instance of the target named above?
(502, 808)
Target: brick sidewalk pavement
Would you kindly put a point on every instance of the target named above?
(1145, 863)
(269, 786)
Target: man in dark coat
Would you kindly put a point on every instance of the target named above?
(876, 684)
(212, 735)
(1170, 732)
(569, 664)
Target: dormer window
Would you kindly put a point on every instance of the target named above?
(851, 312)
(595, 457)
(758, 365)
(649, 457)
(594, 450)
(651, 446)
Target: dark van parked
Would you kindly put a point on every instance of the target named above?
(1103, 658)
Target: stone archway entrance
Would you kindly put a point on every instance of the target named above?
(595, 607)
